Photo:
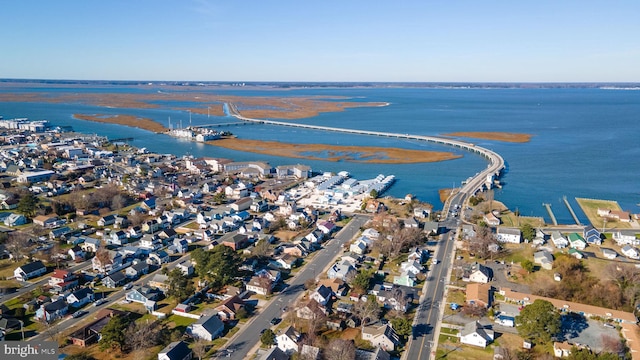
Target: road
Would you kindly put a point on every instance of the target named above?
(422, 345)
(249, 335)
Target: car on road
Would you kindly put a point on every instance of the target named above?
(78, 313)
(435, 261)
(100, 302)
(274, 321)
(607, 325)
(128, 286)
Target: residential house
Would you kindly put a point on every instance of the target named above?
(91, 333)
(382, 336)
(411, 267)
(405, 279)
(322, 295)
(289, 340)
(45, 221)
(49, 312)
(206, 328)
(234, 241)
(341, 271)
(477, 272)
(259, 285)
(630, 252)
(411, 223)
(109, 262)
(143, 294)
(359, 247)
(316, 236)
(562, 349)
(29, 271)
(177, 350)
(91, 245)
(475, 334)
(508, 235)
(136, 270)
(431, 228)
(229, 308)
(158, 258)
(80, 297)
(608, 253)
(117, 238)
(159, 281)
(625, 237)
(287, 261)
(186, 267)
(491, 219)
(558, 240)
(575, 253)
(377, 354)
(62, 280)
(76, 253)
(106, 220)
(418, 255)
(479, 294)
(592, 235)
(544, 259)
(576, 241)
(15, 220)
(337, 286)
(114, 280)
(327, 227)
(274, 353)
(311, 310)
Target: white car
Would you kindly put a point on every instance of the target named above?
(128, 286)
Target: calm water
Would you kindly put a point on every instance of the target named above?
(585, 141)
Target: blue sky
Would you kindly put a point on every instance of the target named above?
(348, 40)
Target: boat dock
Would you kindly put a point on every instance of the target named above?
(573, 214)
(551, 215)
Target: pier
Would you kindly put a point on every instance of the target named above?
(573, 214)
(551, 215)
(475, 184)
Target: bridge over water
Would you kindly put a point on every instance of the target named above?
(485, 177)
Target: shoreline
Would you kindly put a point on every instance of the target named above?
(125, 120)
(493, 135)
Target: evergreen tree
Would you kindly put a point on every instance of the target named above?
(539, 322)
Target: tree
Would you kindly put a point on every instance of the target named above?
(528, 232)
(612, 344)
(402, 327)
(219, 266)
(474, 310)
(268, 338)
(340, 349)
(17, 244)
(200, 348)
(114, 333)
(28, 205)
(367, 310)
(143, 335)
(362, 280)
(374, 194)
(539, 322)
(482, 243)
(527, 265)
(178, 286)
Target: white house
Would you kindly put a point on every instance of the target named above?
(30, 270)
(508, 235)
(359, 247)
(177, 350)
(544, 259)
(630, 252)
(577, 241)
(558, 240)
(625, 237)
(475, 334)
(382, 336)
(608, 253)
(287, 341)
(206, 328)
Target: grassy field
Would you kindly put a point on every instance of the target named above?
(590, 208)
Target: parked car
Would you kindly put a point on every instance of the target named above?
(78, 313)
(274, 321)
(100, 302)
(128, 286)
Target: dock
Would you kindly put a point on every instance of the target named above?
(573, 214)
(551, 215)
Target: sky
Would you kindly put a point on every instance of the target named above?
(328, 40)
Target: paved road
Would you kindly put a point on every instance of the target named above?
(249, 335)
(421, 345)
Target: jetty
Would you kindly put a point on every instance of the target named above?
(573, 214)
(482, 180)
(551, 215)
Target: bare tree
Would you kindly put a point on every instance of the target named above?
(474, 310)
(118, 202)
(52, 331)
(200, 348)
(339, 349)
(481, 244)
(612, 344)
(261, 249)
(367, 311)
(17, 244)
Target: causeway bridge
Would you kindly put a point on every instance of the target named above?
(475, 184)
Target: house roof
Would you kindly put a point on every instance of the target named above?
(176, 350)
(476, 327)
(324, 291)
(478, 292)
(32, 266)
(274, 354)
(211, 323)
(116, 276)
